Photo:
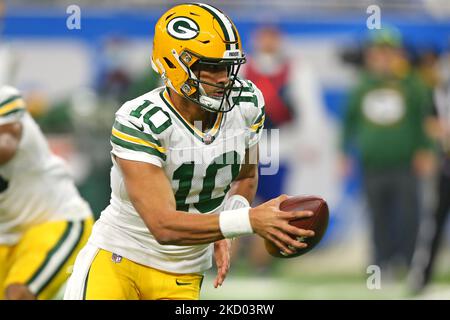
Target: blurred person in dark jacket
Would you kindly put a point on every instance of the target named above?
(433, 225)
(384, 122)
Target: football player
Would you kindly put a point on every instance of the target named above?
(184, 170)
(43, 220)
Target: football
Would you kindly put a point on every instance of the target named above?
(318, 223)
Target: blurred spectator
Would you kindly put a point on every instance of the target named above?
(431, 230)
(270, 69)
(293, 105)
(114, 78)
(385, 118)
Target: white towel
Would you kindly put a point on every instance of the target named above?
(77, 281)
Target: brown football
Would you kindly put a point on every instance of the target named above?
(318, 222)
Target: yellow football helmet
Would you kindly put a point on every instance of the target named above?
(197, 33)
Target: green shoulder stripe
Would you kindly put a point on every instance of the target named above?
(137, 147)
(253, 99)
(243, 88)
(136, 133)
(246, 86)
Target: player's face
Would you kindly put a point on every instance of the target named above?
(214, 74)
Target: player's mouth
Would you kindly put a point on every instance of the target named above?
(217, 95)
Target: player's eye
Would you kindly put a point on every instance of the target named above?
(214, 68)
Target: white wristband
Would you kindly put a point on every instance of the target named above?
(235, 223)
(235, 202)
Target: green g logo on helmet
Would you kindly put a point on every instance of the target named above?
(183, 28)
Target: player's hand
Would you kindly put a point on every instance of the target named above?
(271, 223)
(222, 255)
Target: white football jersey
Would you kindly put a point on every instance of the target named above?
(200, 166)
(35, 185)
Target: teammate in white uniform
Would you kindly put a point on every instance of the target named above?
(183, 174)
(43, 220)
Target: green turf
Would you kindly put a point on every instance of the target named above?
(315, 278)
(314, 287)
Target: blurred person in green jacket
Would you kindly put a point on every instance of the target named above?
(384, 122)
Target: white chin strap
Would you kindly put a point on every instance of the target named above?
(211, 103)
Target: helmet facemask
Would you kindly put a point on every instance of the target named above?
(195, 85)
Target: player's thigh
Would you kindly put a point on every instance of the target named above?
(43, 258)
(160, 285)
(111, 277)
(5, 252)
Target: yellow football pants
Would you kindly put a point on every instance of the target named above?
(43, 258)
(112, 277)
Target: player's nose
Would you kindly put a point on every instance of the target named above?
(221, 76)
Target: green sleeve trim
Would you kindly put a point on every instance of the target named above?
(137, 147)
(136, 133)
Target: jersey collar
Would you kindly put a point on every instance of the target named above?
(206, 137)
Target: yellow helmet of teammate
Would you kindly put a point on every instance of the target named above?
(197, 33)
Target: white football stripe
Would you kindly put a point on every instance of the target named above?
(58, 257)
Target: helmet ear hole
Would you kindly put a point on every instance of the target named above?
(169, 63)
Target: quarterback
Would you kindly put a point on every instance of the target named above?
(43, 220)
(184, 171)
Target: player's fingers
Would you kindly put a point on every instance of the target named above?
(280, 244)
(216, 282)
(278, 200)
(275, 202)
(292, 244)
(222, 269)
(221, 274)
(291, 215)
(297, 231)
